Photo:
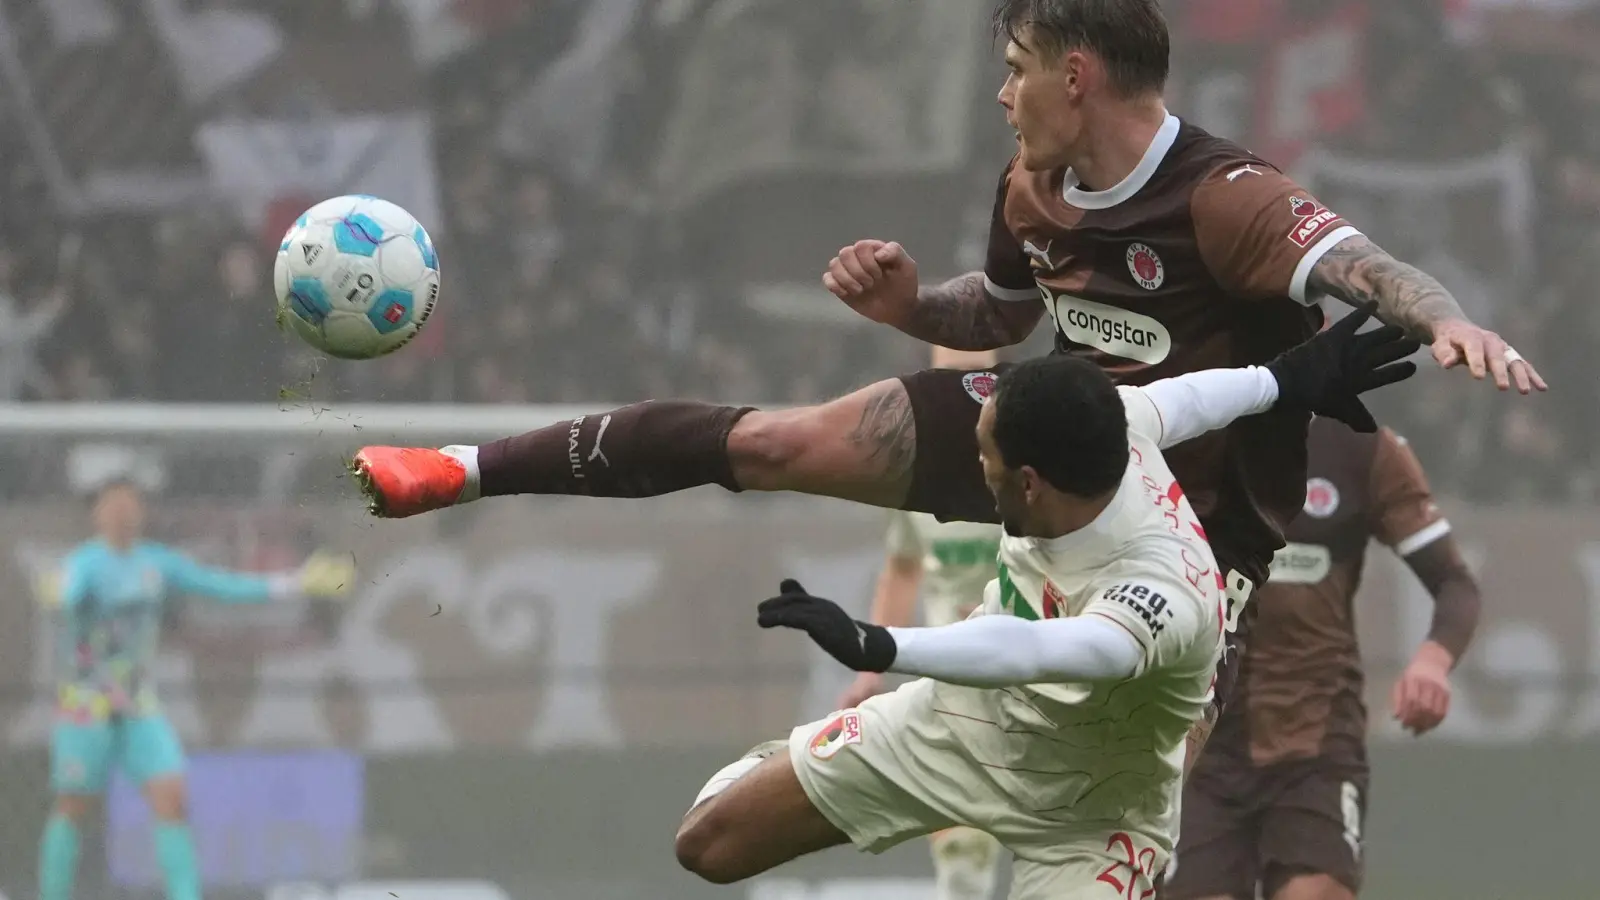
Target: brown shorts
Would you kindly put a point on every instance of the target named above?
(1245, 825)
(947, 480)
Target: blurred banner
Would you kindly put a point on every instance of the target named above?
(258, 818)
(1466, 221)
(839, 87)
(272, 170)
(574, 825)
(1278, 75)
(568, 624)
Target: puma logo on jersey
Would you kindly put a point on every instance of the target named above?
(595, 453)
(1040, 257)
(575, 458)
(1241, 171)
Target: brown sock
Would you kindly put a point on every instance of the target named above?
(643, 450)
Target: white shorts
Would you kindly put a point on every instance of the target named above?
(892, 769)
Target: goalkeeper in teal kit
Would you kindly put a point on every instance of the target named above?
(108, 622)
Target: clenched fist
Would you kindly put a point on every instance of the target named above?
(1421, 697)
(877, 279)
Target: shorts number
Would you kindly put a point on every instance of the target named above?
(1237, 592)
(1350, 805)
(1135, 865)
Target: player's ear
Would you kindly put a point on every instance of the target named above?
(1031, 483)
(1073, 67)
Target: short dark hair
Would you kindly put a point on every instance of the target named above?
(1063, 417)
(1129, 36)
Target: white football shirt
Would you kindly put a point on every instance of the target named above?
(1104, 757)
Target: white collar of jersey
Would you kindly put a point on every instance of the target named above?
(1098, 538)
(1127, 187)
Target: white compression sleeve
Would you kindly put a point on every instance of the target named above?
(1193, 404)
(1000, 651)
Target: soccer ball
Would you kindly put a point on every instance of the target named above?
(356, 277)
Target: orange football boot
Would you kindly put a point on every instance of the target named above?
(406, 481)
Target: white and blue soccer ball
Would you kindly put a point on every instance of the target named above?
(356, 277)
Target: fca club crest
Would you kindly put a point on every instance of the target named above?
(844, 730)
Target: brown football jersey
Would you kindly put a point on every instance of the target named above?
(1300, 691)
(1197, 260)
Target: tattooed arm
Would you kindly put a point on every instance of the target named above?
(879, 281)
(1358, 272)
(962, 315)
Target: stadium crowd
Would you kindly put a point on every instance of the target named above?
(566, 278)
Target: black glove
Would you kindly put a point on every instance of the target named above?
(1328, 374)
(861, 646)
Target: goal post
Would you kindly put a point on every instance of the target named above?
(230, 421)
(264, 452)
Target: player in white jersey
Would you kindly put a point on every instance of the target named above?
(948, 563)
(1056, 720)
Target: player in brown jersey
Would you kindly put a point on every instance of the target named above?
(1278, 799)
(1157, 248)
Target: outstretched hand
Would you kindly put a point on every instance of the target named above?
(1328, 374)
(861, 646)
(1459, 342)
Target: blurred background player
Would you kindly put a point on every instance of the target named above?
(109, 608)
(950, 562)
(1278, 800)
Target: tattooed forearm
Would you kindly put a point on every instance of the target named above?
(961, 315)
(1358, 272)
(887, 431)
